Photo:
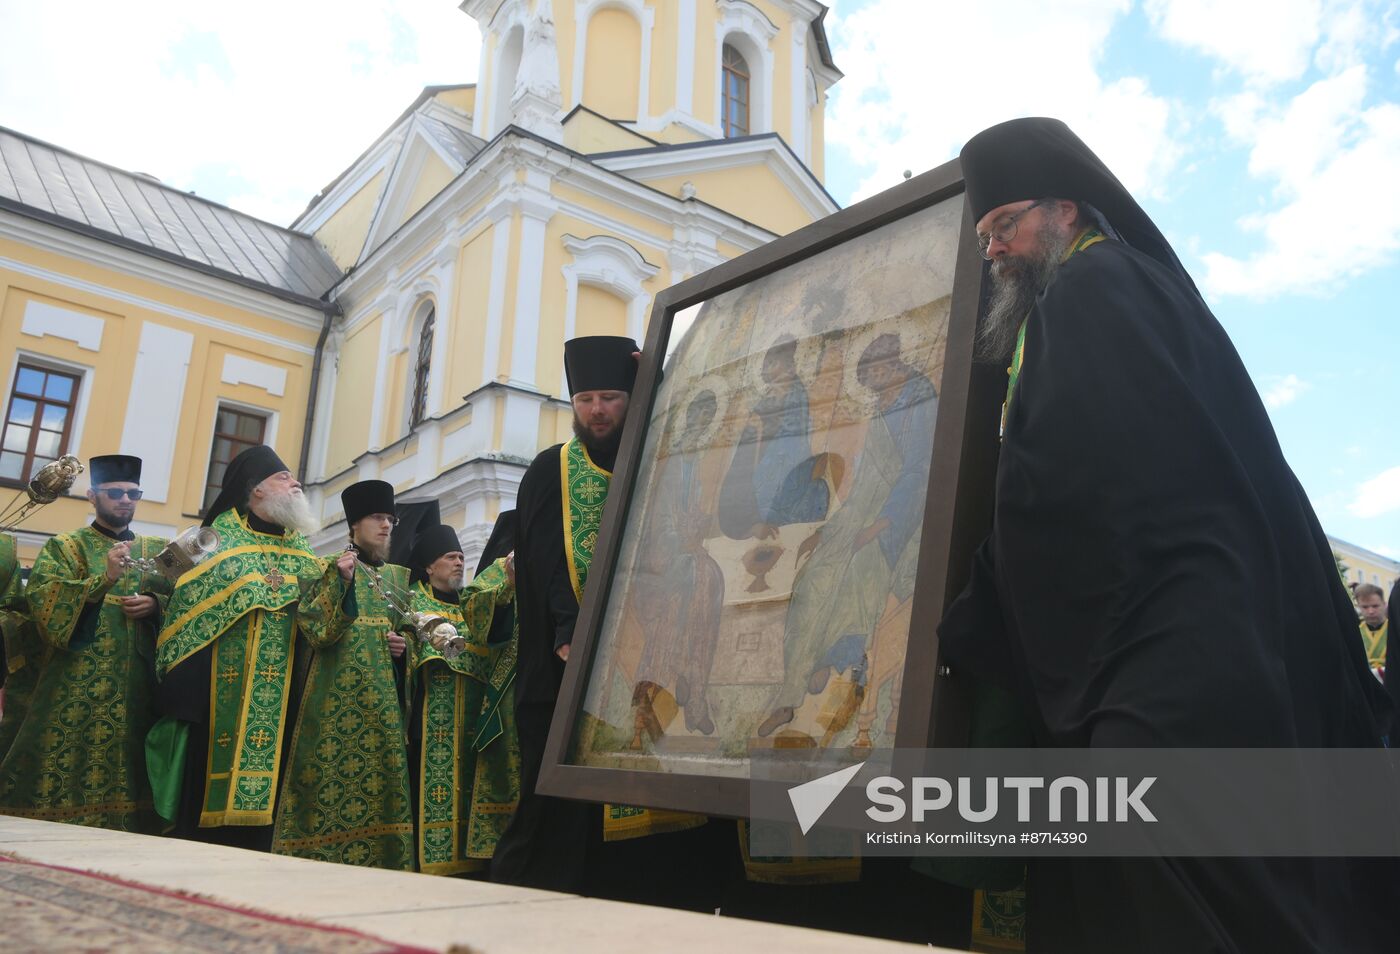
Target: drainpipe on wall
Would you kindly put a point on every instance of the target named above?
(332, 311)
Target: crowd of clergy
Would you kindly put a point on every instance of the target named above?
(268, 698)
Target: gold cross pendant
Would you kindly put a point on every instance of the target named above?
(273, 579)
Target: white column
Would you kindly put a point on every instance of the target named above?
(685, 58)
(496, 295)
(524, 352)
(798, 89)
(325, 402)
(385, 306)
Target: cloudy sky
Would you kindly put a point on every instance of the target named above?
(1262, 135)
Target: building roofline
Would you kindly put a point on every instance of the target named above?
(1372, 554)
(593, 112)
(427, 93)
(148, 178)
(519, 133)
(823, 44)
(121, 241)
(668, 147)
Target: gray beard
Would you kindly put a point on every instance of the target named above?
(292, 512)
(1013, 295)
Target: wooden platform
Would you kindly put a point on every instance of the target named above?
(414, 909)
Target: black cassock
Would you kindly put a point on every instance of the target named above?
(1155, 577)
(548, 838)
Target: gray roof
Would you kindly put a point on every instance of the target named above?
(455, 142)
(55, 185)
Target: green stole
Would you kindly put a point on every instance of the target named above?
(345, 793)
(24, 652)
(247, 600)
(78, 755)
(1374, 641)
(443, 780)
(585, 489)
(469, 760)
(491, 733)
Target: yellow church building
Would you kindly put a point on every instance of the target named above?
(409, 325)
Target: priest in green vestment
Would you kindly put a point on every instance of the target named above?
(18, 643)
(464, 753)
(232, 651)
(78, 755)
(345, 794)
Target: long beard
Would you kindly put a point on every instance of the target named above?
(604, 447)
(292, 512)
(1016, 283)
(375, 551)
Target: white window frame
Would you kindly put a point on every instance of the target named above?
(85, 377)
(745, 28)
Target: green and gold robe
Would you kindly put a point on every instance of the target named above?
(468, 764)
(19, 645)
(246, 604)
(78, 755)
(345, 795)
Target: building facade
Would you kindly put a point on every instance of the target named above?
(409, 325)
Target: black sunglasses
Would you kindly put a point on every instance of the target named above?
(117, 493)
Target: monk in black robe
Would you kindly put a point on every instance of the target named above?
(1155, 575)
(557, 843)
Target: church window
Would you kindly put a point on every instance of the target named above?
(421, 369)
(38, 422)
(235, 431)
(736, 93)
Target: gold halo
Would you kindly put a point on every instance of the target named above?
(807, 357)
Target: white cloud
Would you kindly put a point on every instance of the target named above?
(1327, 153)
(1285, 390)
(1333, 161)
(258, 106)
(1377, 496)
(922, 78)
(1267, 41)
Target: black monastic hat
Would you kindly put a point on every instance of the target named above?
(114, 467)
(249, 468)
(366, 497)
(600, 363)
(432, 543)
(1036, 157)
(501, 541)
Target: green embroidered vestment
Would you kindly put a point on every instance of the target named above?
(469, 758)
(78, 756)
(249, 600)
(345, 794)
(21, 644)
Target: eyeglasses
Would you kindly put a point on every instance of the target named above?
(117, 493)
(1003, 229)
(388, 518)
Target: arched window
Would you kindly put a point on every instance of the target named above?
(420, 370)
(736, 93)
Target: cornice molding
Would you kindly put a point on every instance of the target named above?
(134, 265)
